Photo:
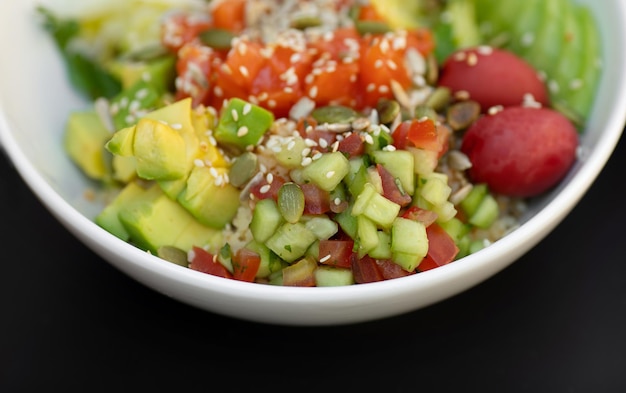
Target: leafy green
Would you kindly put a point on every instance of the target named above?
(86, 75)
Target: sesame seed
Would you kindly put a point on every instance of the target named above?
(291, 145)
(244, 71)
(242, 131)
(246, 109)
(306, 161)
(213, 172)
(177, 126)
(378, 63)
(383, 89)
(337, 201)
(218, 91)
(142, 93)
(368, 139)
(371, 87)
(234, 114)
(265, 189)
(326, 258)
(198, 162)
(269, 178)
(313, 92)
(472, 59)
(317, 156)
(330, 174)
(392, 64)
(323, 143)
(271, 103)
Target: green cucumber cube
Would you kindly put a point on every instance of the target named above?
(327, 171)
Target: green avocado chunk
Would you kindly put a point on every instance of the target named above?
(242, 124)
(84, 139)
(152, 220)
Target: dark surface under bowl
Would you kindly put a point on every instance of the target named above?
(552, 321)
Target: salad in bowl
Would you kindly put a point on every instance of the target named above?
(253, 148)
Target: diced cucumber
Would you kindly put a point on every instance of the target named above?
(289, 151)
(266, 219)
(456, 228)
(435, 189)
(367, 235)
(424, 161)
(409, 237)
(327, 171)
(486, 213)
(347, 221)
(357, 177)
(375, 207)
(328, 276)
(470, 203)
(321, 226)
(407, 261)
(400, 163)
(383, 249)
(291, 241)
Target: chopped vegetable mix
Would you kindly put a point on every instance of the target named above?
(325, 143)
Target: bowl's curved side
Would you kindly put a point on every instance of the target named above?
(31, 126)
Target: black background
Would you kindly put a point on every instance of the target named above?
(554, 321)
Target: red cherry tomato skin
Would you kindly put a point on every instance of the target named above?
(492, 77)
(520, 151)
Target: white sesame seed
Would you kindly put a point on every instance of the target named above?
(265, 189)
(269, 178)
(176, 126)
(198, 162)
(246, 109)
(472, 59)
(242, 131)
(306, 161)
(337, 201)
(234, 114)
(244, 71)
(368, 139)
(317, 156)
(330, 174)
(313, 92)
(326, 258)
(213, 172)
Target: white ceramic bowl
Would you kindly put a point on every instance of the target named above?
(35, 99)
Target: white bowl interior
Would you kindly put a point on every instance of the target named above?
(35, 99)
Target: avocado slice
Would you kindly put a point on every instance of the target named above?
(108, 218)
(152, 220)
(84, 139)
(209, 197)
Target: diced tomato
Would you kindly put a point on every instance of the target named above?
(421, 39)
(229, 14)
(424, 216)
(337, 252)
(343, 44)
(441, 248)
(262, 189)
(246, 265)
(352, 145)
(181, 28)
(241, 66)
(366, 270)
(333, 82)
(391, 190)
(205, 262)
(391, 270)
(194, 69)
(423, 134)
(316, 200)
(382, 61)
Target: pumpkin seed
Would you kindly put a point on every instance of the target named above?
(388, 110)
(305, 21)
(173, 254)
(461, 114)
(422, 111)
(243, 168)
(439, 98)
(291, 202)
(333, 114)
(364, 27)
(432, 70)
(217, 38)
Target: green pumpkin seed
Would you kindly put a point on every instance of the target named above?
(173, 254)
(334, 114)
(422, 111)
(388, 110)
(291, 202)
(305, 21)
(461, 114)
(217, 38)
(243, 169)
(364, 27)
(439, 98)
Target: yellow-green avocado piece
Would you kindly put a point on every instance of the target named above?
(84, 139)
(151, 220)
